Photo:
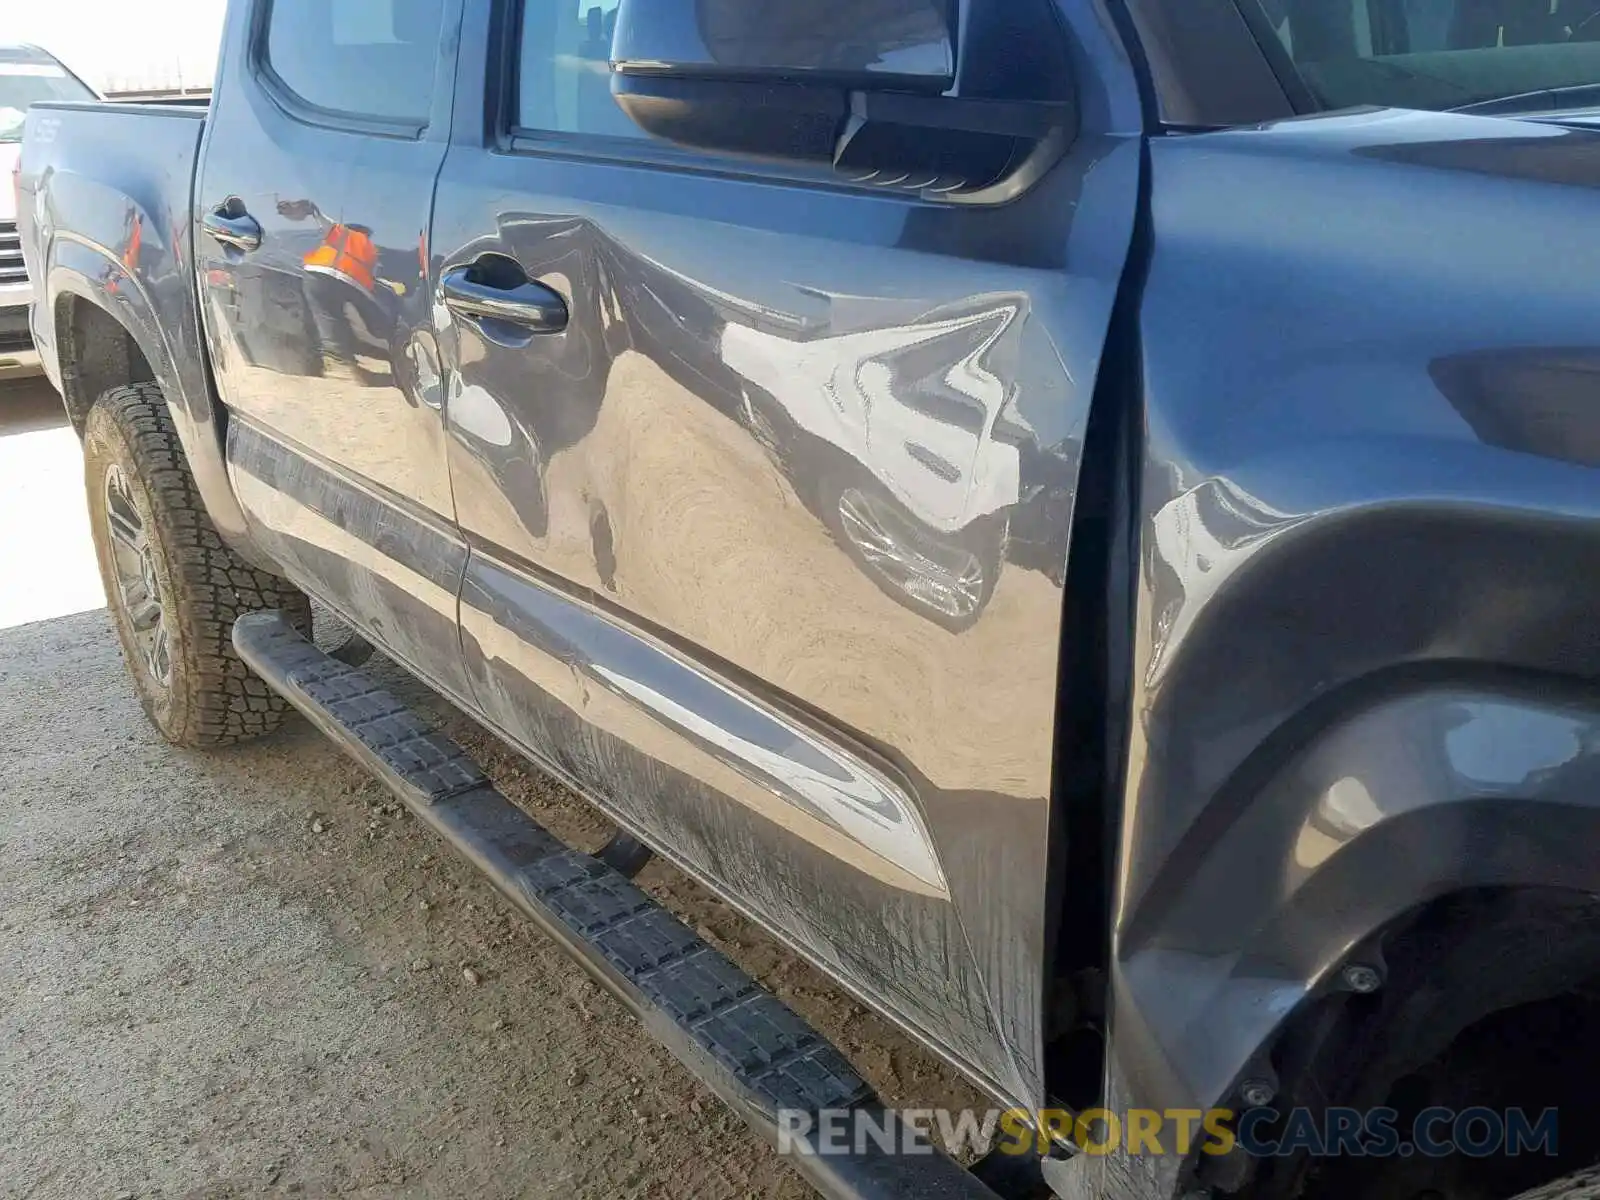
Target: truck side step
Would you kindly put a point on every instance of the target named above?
(733, 1035)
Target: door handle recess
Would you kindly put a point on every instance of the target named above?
(492, 292)
(233, 227)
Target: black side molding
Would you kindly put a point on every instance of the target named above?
(733, 1035)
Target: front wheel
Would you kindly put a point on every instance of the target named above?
(173, 586)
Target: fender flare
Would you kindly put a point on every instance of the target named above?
(1422, 791)
(88, 272)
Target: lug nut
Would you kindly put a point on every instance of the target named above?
(1257, 1093)
(1359, 977)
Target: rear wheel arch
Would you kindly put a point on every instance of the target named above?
(105, 341)
(96, 352)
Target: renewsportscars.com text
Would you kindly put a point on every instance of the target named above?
(1259, 1132)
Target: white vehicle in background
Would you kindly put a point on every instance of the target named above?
(27, 76)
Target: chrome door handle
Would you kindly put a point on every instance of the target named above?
(233, 227)
(528, 304)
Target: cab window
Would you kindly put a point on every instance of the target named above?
(364, 58)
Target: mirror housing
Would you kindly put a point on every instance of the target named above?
(889, 43)
(959, 100)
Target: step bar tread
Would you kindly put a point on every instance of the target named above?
(746, 1044)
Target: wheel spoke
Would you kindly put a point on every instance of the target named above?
(122, 514)
(159, 657)
(126, 560)
(128, 531)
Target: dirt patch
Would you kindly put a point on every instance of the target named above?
(252, 974)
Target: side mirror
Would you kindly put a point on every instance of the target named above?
(960, 100)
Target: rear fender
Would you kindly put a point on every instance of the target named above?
(99, 312)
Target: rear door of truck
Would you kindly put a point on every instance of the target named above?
(768, 522)
(316, 183)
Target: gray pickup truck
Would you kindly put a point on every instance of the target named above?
(1080, 516)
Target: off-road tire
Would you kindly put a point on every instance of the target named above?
(213, 699)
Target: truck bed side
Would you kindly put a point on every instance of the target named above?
(106, 225)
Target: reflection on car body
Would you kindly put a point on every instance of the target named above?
(902, 437)
(922, 485)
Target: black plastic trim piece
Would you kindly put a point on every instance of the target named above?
(734, 1036)
(1278, 58)
(1208, 68)
(625, 854)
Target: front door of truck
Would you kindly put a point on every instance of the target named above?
(767, 483)
(315, 192)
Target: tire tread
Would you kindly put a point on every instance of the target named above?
(222, 701)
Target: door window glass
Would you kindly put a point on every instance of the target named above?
(565, 69)
(1434, 54)
(371, 58)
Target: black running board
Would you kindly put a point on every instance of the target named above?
(735, 1037)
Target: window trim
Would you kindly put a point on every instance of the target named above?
(298, 108)
(661, 156)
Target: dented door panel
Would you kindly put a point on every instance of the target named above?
(767, 548)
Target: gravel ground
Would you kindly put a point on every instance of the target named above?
(250, 973)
